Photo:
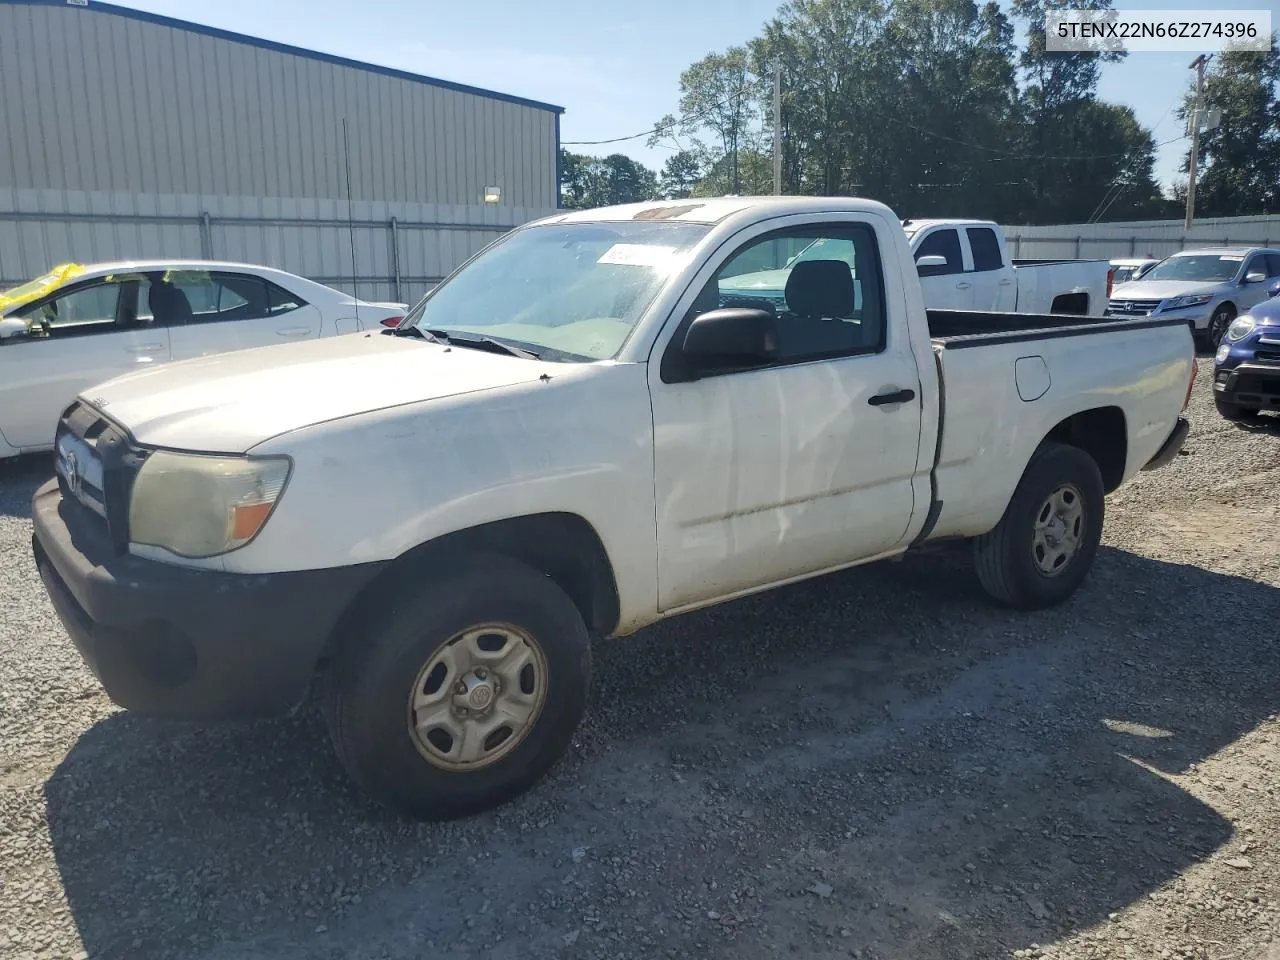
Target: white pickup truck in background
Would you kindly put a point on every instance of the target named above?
(965, 265)
(587, 428)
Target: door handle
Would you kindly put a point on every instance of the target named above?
(1006, 282)
(897, 396)
(963, 285)
(293, 332)
(146, 348)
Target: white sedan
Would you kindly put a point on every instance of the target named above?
(81, 325)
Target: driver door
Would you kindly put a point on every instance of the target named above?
(768, 474)
(80, 337)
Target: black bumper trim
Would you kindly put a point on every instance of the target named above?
(1251, 385)
(174, 641)
(1171, 447)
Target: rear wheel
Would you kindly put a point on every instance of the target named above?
(462, 695)
(1218, 324)
(1043, 546)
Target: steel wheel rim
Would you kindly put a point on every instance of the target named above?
(1058, 531)
(478, 696)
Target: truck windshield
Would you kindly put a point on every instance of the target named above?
(567, 291)
(1210, 267)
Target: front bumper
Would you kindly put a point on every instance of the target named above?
(1172, 446)
(175, 641)
(1249, 385)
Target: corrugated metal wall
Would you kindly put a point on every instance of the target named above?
(1137, 238)
(126, 135)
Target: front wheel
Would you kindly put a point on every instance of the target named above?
(463, 693)
(1043, 546)
(1218, 324)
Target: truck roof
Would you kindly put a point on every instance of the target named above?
(711, 210)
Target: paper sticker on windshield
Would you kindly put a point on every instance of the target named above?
(637, 255)
(1231, 259)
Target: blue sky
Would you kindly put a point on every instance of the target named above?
(614, 67)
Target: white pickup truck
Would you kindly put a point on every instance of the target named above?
(965, 265)
(584, 430)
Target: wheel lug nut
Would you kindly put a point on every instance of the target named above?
(460, 688)
(481, 673)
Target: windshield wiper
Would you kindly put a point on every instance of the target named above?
(483, 343)
(412, 331)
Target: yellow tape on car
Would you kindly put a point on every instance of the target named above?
(37, 288)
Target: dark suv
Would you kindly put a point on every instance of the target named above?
(1246, 368)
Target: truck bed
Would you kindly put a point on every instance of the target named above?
(959, 328)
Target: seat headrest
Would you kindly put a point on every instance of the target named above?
(820, 288)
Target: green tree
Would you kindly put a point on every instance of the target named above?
(680, 174)
(1240, 159)
(1073, 150)
(717, 96)
(587, 182)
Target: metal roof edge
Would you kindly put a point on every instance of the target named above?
(330, 58)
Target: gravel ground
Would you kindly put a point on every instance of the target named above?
(877, 764)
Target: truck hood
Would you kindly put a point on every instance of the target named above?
(1164, 289)
(231, 402)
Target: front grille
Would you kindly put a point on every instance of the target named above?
(1131, 308)
(96, 462)
(1267, 356)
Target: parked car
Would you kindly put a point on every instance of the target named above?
(1246, 368)
(1132, 268)
(1207, 288)
(79, 325)
(573, 436)
(965, 265)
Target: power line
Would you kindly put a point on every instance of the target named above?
(918, 129)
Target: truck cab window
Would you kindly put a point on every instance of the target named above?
(986, 249)
(945, 243)
(827, 298)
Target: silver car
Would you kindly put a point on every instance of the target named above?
(1210, 287)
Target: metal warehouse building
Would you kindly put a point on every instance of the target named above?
(125, 134)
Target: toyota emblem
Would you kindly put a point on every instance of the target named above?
(71, 468)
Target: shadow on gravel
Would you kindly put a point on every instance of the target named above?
(956, 779)
(19, 479)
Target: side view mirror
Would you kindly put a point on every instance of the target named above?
(931, 260)
(1274, 289)
(1255, 277)
(729, 338)
(13, 328)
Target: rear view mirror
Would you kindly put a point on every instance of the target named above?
(1274, 289)
(729, 338)
(1255, 277)
(931, 260)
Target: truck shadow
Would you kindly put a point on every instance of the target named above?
(964, 780)
(19, 479)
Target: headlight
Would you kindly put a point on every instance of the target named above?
(1178, 302)
(1224, 351)
(201, 506)
(1240, 328)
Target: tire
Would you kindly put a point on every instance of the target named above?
(1218, 324)
(1009, 558)
(1233, 411)
(370, 691)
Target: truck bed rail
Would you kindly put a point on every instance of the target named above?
(956, 329)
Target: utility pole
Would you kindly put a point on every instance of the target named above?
(777, 129)
(1197, 65)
